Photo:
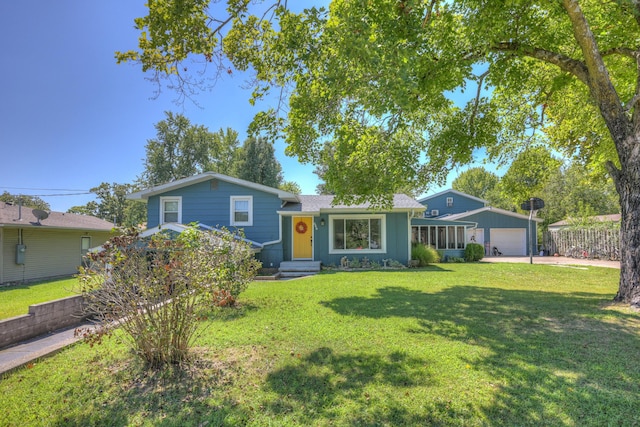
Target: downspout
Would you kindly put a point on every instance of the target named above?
(273, 242)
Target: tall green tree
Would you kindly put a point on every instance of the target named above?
(257, 163)
(112, 205)
(33, 202)
(291, 187)
(477, 182)
(528, 175)
(223, 152)
(565, 69)
(179, 150)
(573, 190)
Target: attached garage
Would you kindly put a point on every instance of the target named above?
(509, 241)
(508, 231)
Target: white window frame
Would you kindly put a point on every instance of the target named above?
(82, 240)
(170, 199)
(232, 211)
(449, 202)
(383, 234)
(435, 212)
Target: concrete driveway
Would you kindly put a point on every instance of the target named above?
(554, 260)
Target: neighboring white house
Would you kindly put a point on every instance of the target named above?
(36, 245)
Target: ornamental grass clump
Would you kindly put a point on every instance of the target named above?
(155, 289)
(424, 254)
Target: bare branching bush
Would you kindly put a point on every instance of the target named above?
(156, 288)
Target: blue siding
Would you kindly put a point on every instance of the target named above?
(210, 204)
(487, 220)
(460, 204)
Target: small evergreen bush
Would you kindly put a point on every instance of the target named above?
(473, 252)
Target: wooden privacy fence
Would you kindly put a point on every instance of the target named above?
(584, 243)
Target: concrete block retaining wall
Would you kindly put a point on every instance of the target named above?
(42, 318)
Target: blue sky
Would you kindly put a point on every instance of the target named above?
(71, 118)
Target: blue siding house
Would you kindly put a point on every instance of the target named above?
(282, 226)
(450, 202)
(501, 232)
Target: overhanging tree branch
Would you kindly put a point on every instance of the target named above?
(565, 63)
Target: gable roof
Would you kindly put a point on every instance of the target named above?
(452, 191)
(323, 203)
(206, 176)
(489, 209)
(16, 216)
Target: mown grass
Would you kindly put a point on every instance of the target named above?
(453, 344)
(16, 299)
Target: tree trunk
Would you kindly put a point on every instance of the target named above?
(628, 185)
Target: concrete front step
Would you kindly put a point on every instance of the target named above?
(299, 268)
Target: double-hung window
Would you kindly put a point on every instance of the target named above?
(170, 209)
(241, 210)
(364, 233)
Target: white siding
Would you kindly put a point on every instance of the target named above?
(49, 253)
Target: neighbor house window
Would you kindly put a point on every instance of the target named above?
(357, 233)
(242, 210)
(435, 212)
(449, 202)
(85, 244)
(170, 209)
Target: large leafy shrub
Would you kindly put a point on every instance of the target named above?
(473, 252)
(156, 288)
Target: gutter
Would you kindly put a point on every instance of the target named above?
(279, 240)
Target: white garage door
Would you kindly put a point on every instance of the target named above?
(509, 241)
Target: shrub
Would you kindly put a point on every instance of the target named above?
(155, 289)
(473, 252)
(425, 254)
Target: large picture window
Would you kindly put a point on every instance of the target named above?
(170, 209)
(242, 210)
(357, 233)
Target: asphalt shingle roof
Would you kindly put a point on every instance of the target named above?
(14, 216)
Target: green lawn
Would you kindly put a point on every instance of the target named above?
(15, 300)
(452, 345)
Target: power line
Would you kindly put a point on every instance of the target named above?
(44, 189)
(56, 195)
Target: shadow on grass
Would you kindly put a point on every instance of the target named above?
(329, 387)
(547, 350)
(169, 397)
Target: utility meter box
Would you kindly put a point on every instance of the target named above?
(20, 251)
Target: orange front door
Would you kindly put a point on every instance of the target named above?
(302, 237)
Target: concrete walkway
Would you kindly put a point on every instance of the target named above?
(554, 260)
(28, 351)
